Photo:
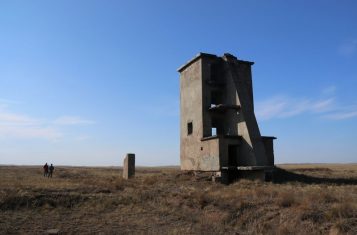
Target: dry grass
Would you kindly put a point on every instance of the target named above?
(304, 199)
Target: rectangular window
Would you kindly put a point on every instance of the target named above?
(217, 126)
(189, 128)
(214, 131)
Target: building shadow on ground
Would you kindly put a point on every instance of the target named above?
(284, 176)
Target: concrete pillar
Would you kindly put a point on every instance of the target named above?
(129, 166)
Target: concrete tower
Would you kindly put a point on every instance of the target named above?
(219, 131)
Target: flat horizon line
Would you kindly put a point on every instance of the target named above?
(169, 166)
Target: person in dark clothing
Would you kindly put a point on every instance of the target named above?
(51, 170)
(45, 170)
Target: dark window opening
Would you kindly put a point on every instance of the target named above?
(216, 71)
(216, 98)
(232, 155)
(189, 128)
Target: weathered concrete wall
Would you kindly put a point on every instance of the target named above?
(191, 112)
(208, 156)
(194, 153)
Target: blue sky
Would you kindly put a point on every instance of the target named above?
(84, 82)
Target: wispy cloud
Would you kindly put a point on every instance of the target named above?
(284, 107)
(348, 48)
(324, 105)
(22, 126)
(19, 125)
(72, 120)
(343, 113)
(30, 132)
(15, 119)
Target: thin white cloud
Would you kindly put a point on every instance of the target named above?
(348, 48)
(72, 120)
(22, 126)
(325, 105)
(284, 107)
(18, 125)
(15, 119)
(271, 108)
(29, 132)
(343, 113)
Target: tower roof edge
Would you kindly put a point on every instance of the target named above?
(198, 56)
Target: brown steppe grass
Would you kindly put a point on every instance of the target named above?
(303, 199)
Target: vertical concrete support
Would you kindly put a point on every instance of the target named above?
(129, 166)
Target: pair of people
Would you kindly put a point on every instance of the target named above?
(48, 170)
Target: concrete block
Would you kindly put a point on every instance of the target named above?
(129, 166)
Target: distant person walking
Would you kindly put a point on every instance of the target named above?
(45, 170)
(51, 170)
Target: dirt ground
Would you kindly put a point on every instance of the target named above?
(303, 199)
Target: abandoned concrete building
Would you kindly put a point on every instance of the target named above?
(218, 128)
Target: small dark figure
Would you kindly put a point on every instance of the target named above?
(45, 170)
(51, 170)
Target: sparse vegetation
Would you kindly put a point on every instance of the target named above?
(304, 199)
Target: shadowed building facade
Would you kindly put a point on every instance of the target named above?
(218, 128)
